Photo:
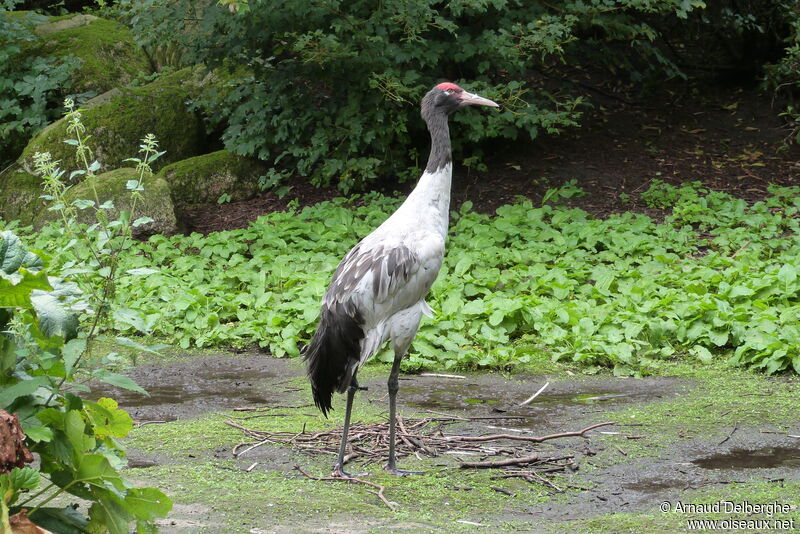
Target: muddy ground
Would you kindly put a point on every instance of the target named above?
(675, 438)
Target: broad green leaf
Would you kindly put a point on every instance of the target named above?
(65, 520)
(474, 307)
(10, 393)
(121, 381)
(140, 221)
(15, 292)
(74, 428)
(83, 203)
(95, 470)
(702, 353)
(148, 503)
(787, 274)
(108, 419)
(72, 350)
(39, 433)
(54, 318)
(741, 291)
(24, 478)
(108, 512)
(13, 255)
(718, 338)
(142, 271)
(497, 317)
(130, 317)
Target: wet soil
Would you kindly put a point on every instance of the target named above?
(202, 385)
(198, 386)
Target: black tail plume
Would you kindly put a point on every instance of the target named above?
(336, 345)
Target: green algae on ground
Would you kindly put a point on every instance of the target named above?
(720, 391)
(674, 520)
(435, 501)
(198, 469)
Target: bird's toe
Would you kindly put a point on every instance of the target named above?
(338, 472)
(402, 472)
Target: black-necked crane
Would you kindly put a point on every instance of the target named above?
(378, 291)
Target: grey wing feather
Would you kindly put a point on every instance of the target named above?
(390, 267)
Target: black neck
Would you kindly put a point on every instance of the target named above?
(441, 154)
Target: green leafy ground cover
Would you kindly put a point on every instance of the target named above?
(718, 278)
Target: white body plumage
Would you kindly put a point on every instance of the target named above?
(390, 296)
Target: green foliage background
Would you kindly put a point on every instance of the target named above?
(30, 87)
(718, 278)
(330, 89)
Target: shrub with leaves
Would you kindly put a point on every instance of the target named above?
(30, 87)
(331, 90)
(46, 357)
(784, 76)
(42, 365)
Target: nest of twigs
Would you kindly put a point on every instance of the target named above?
(424, 437)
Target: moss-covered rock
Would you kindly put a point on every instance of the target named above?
(203, 179)
(155, 202)
(19, 195)
(119, 120)
(107, 53)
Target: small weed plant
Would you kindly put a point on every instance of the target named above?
(54, 311)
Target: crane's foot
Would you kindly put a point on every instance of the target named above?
(401, 472)
(339, 472)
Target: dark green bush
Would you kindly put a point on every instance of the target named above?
(29, 86)
(330, 89)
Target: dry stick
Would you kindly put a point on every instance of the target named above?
(256, 445)
(530, 399)
(498, 489)
(439, 375)
(380, 488)
(531, 439)
(501, 463)
(151, 423)
(741, 249)
(453, 417)
(545, 481)
(729, 436)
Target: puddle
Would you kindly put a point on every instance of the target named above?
(654, 486)
(496, 396)
(764, 458)
(187, 389)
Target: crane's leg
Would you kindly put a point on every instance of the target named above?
(394, 386)
(338, 469)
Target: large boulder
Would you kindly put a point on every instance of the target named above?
(106, 51)
(118, 120)
(204, 179)
(155, 202)
(20, 194)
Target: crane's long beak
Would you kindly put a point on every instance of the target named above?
(469, 99)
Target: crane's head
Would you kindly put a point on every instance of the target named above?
(447, 97)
